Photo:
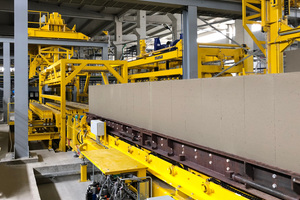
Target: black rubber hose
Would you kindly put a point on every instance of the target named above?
(78, 138)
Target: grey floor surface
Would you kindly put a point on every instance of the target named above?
(67, 188)
(4, 140)
(18, 181)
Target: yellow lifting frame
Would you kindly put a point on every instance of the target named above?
(58, 70)
(155, 57)
(279, 34)
(54, 27)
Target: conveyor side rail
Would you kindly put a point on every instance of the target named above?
(234, 170)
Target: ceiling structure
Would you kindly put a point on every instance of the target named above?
(94, 16)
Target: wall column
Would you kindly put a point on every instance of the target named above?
(21, 78)
(140, 31)
(118, 39)
(104, 53)
(241, 35)
(176, 25)
(190, 50)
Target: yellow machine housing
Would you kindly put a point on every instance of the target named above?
(54, 27)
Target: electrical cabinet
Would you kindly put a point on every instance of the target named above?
(98, 127)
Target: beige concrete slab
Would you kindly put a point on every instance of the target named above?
(186, 118)
(287, 115)
(211, 113)
(141, 104)
(292, 61)
(161, 107)
(259, 119)
(128, 94)
(232, 121)
(256, 117)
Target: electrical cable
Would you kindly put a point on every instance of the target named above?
(103, 186)
(78, 138)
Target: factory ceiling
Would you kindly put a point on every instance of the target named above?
(94, 16)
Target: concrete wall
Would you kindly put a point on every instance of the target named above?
(256, 117)
(292, 61)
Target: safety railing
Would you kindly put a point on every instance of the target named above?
(41, 14)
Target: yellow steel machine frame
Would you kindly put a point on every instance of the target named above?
(180, 183)
(82, 97)
(44, 120)
(212, 59)
(42, 57)
(53, 27)
(64, 71)
(273, 17)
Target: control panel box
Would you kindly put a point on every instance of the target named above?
(98, 127)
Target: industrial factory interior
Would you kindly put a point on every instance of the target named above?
(149, 99)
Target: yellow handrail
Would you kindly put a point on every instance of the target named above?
(40, 16)
(8, 114)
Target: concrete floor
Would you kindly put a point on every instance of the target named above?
(4, 140)
(18, 181)
(66, 188)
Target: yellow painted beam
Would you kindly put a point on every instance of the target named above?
(104, 77)
(74, 73)
(36, 32)
(115, 74)
(176, 54)
(53, 97)
(43, 136)
(170, 72)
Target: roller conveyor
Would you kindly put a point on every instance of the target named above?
(81, 106)
(71, 107)
(43, 112)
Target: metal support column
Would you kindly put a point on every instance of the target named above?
(140, 31)
(118, 38)
(176, 25)
(6, 78)
(104, 53)
(21, 78)
(190, 51)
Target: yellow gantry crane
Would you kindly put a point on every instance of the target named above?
(273, 17)
(45, 120)
(53, 26)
